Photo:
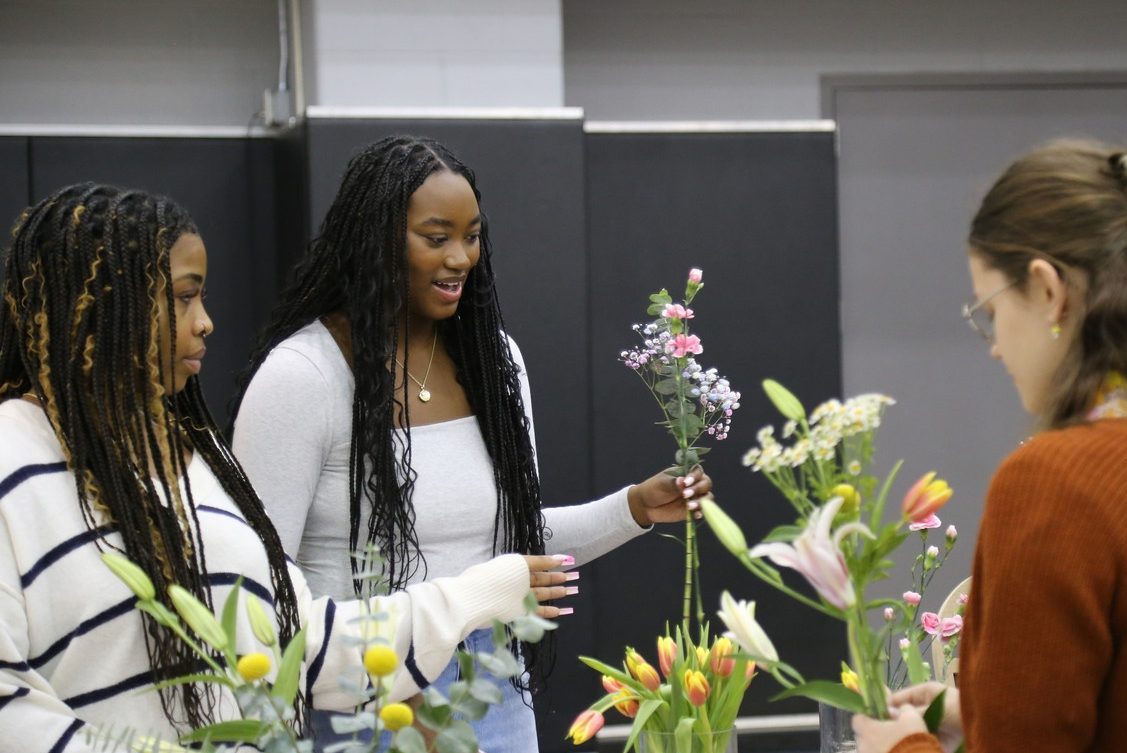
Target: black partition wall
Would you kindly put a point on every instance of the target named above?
(240, 191)
(757, 213)
(15, 188)
(584, 225)
(530, 174)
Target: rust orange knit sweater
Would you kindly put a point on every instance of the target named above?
(1043, 659)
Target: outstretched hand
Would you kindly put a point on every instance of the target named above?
(547, 582)
(664, 498)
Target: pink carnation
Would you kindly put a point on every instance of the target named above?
(952, 533)
(930, 622)
(681, 345)
(950, 626)
(931, 521)
(676, 311)
(889, 614)
(912, 597)
(963, 598)
(904, 643)
(695, 275)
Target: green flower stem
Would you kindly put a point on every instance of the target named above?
(872, 689)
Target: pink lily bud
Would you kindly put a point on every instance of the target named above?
(585, 726)
(666, 654)
(721, 659)
(930, 622)
(641, 670)
(626, 703)
(889, 614)
(695, 275)
(913, 598)
(611, 685)
(696, 687)
(925, 497)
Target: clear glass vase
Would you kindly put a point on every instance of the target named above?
(663, 742)
(835, 727)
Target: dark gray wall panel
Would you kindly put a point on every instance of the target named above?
(14, 185)
(757, 212)
(228, 186)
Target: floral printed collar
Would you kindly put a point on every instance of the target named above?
(1111, 399)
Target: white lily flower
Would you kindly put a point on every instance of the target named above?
(817, 555)
(739, 617)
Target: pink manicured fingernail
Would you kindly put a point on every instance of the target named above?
(573, 575)
(566, 610)
(693, 505)
(571, 590)
(687, 494)
(565, 559)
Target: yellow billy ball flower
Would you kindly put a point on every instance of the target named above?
(396, 716)
(253, 666)
(850, 498)
(380, 661)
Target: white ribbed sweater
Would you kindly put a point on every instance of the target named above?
(72, 648)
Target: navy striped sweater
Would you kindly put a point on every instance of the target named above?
(72, 647)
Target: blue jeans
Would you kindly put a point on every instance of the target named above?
(507, 728)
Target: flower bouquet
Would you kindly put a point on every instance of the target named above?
(696, 703)
(841, 543)
(265, 683)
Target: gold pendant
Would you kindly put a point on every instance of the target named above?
(424, 395)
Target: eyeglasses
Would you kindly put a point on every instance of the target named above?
(979, 319)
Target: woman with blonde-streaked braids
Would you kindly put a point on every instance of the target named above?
(107, 446)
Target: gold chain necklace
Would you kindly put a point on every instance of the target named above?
(424, 393)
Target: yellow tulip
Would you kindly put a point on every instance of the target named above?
(850, 679)
(585, 726)
(696, 687)
(925, 497)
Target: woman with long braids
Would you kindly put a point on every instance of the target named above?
(386, 404)
(107, 446)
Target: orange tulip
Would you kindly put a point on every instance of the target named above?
(925, 497)
(611, 685)
(696, 687)
(721, 659)
(666, 654)
(749, 670)
(627, 704)
(585, 726)
(702, 656)
(641, 670)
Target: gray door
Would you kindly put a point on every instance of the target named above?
(915, 157)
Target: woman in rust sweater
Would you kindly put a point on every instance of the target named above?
(1044, 655)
